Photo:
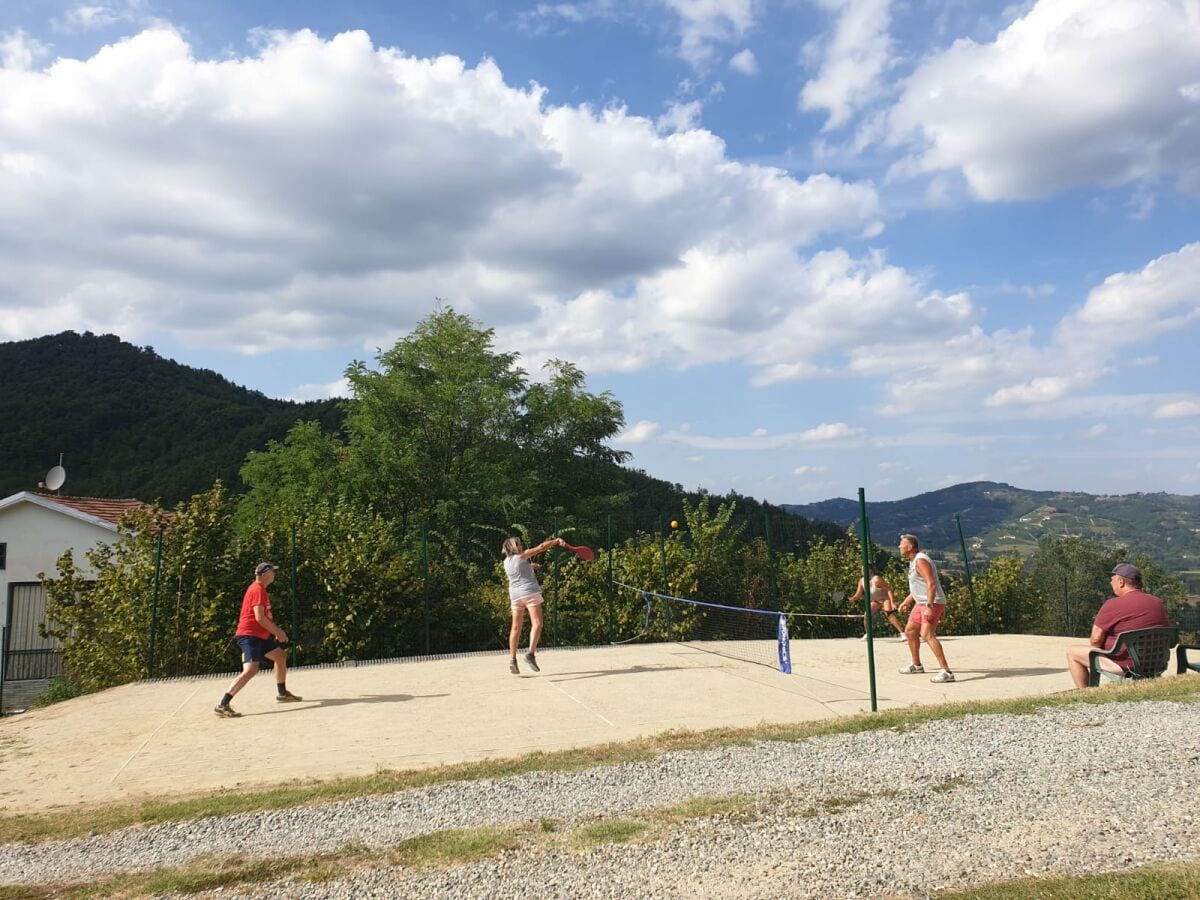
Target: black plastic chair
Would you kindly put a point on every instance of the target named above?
(1149, 654)
(1181, 660)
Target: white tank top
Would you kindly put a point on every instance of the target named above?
(916, 584)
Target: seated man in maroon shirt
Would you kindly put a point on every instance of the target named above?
(1130, 609)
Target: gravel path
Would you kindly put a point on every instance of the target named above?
(950, 803)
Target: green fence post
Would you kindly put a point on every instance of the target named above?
(154, 601)
(864, 541)
(295, 618)
(425, 582)
(612, 624)
(967, 567)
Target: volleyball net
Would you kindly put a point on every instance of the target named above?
(760, 636)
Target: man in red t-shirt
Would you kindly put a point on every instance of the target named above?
(259, 638)
(1130, 609)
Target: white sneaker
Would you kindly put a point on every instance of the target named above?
(942, 677)
(914, 670)
(863, 638)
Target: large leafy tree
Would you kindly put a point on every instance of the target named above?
(432, 428)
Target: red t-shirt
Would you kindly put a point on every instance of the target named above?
(256, 595)
(1135, 609)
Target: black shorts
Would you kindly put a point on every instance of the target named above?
(255, 649)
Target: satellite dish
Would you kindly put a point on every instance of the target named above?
(56, 478)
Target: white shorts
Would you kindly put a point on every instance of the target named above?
(526, 602)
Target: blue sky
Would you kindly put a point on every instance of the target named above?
(810, 245)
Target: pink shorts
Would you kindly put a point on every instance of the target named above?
(527, 602)
(928, 615)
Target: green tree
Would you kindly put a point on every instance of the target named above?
(432, 429)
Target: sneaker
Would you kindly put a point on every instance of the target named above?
(942, 677)
(532, 660)
(287, 697)
(513, 667)
(901, 639)
(913, 670)
(863, 638)
(227, 712)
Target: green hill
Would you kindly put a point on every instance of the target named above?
(999, 518)
(133, 424)
(128, 422)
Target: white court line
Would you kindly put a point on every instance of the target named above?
(150, 737)
(580, 702)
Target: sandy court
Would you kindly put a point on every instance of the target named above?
(161, 738)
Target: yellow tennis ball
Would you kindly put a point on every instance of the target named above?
(674, 524)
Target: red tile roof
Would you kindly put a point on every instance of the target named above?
(109, 510)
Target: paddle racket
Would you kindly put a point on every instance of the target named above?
(584, 553)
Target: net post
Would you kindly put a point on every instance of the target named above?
(967, 568)
(865, 539)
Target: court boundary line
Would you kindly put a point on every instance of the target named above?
(150, 737)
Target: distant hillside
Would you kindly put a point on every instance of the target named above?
(130, 423)
(999, 518)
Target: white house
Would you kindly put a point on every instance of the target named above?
(35, 530)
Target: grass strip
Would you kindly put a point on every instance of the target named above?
(1168, 881)
(458, 846)
(69, 823)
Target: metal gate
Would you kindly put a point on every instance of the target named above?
(27, 655)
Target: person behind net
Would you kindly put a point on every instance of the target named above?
(524, 593)
(881, 599)
(925, 591)
(1129, 609)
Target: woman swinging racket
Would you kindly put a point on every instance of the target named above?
(524, 592)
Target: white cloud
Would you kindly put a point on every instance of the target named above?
(638, 433)
(1180, 409)
(1133, 307)
(330, 189)
(704, 24)
(853, 60)
(699, 26)
(760, 439)
(85, 17)
(744, 62)
(837, 431)
(680, 117)
(19, 51)
(1097, 430)
(304, 392)
(808, 470)
(1039, 390)
(1088, 91)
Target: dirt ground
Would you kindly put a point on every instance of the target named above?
(162, 739)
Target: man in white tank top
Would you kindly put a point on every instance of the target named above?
(925, 591)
